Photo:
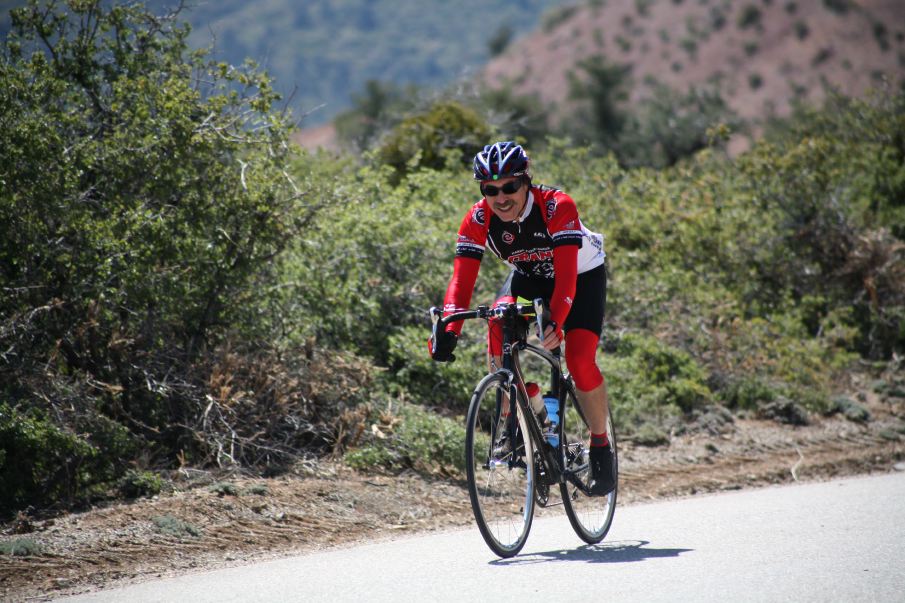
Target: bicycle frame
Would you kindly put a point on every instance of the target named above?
(510, 314)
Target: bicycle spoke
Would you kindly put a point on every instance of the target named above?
(590, 516)
(501, 488)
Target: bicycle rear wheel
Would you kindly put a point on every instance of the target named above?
(501, 488)
(590, 516)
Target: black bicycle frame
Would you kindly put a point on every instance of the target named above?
(510, 314)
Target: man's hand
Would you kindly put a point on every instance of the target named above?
(442, 349)
(552, 336)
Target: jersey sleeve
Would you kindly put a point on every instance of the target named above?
(562, 220)
(473, 232)
(565, 270)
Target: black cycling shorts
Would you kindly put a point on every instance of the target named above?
(589, 307)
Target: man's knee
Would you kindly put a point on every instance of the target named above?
(581, 359)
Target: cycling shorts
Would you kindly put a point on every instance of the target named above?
(588, 309)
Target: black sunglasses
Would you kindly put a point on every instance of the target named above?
(489, 190)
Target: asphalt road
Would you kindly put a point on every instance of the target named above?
(837, 541)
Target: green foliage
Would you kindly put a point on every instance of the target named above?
(375, 110)
(446, 385)
(144, 199)
(412, 438)
(135, 484)
(224, 489)
(750, 16)
(383, 106)
(648, 380)
(423, 140)
(257, 490)
(840, 7)
(40, 463)
(170, 525)
(603, 88)
(500, 40)
(20, 547)
(668, 126)
(555, 17)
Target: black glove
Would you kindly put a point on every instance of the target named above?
(442, 349)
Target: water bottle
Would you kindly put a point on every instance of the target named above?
(551, 432)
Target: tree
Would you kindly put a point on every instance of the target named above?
(602, 90)
(142, 199)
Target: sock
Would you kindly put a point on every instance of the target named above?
(599, 439)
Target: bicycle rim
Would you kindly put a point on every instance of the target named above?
(501, 489)
(590, 516)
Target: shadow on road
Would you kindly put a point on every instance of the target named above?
(608, 552)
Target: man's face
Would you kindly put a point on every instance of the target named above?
(507, 197)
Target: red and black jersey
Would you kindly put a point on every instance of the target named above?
(549, 220)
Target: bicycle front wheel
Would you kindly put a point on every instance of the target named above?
(500, 482)
(590, 516)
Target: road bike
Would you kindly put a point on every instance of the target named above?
(505, 484)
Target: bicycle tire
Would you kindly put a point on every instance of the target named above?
(590, 516)
(501, 491)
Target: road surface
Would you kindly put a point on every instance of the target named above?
(837, 541)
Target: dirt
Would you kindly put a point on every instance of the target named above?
(210, 521)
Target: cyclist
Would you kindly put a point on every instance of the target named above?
(536, 230)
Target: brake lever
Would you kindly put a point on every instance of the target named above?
(539, 317)
(435, 313)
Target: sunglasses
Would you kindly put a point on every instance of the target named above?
(489, 190)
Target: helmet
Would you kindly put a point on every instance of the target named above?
(500, 160)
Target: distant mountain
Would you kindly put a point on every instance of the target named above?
(326, 50)
(763, 53)
(322, 51)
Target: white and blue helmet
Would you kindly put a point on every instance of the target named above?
(500, 160)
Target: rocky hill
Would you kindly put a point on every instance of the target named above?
(764, 54)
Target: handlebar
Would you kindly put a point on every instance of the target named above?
(503, 310)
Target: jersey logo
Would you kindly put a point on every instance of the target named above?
(508, 237)
(534, 255)
(551, 207)
(478, 215)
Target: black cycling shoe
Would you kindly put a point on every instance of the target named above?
(603, 480)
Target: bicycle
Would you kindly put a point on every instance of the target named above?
(504, 487)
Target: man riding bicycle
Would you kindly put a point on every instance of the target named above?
(536, 230)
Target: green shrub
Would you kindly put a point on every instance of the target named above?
(651, 382)
(39, 463)
(750, 16)
(749, 393)
(555, 17)
(411, 438)
(436, 384)
(223, 489)
(171, 525)
(135, 484)
(840, 7)
(423, 140)
(144, 200)
(20, 547)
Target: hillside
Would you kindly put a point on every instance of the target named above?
(764, 55)
(321, 52)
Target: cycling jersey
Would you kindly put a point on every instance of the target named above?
(549, 220)
(548, 232)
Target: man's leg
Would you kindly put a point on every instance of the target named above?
(581, 358)
(595, 406)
